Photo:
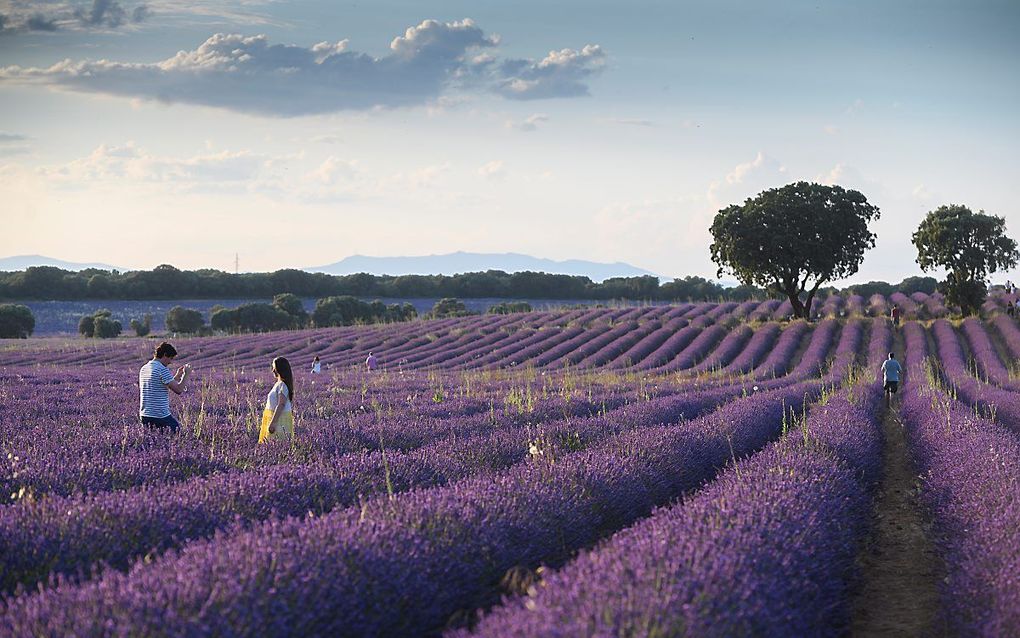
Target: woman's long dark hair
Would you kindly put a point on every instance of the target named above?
(282, 367)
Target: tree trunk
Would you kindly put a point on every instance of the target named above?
(798, 305)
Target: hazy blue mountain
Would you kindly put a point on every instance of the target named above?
(21, 262)
(460, 262)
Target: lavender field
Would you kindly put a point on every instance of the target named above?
(698, 469)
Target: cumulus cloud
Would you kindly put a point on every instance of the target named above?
(560, 74)
(251, 75)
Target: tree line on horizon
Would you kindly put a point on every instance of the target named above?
(790, 241)
(168, 282)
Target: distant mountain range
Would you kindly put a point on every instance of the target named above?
(21, 262)
(460, 262)
(449, 264)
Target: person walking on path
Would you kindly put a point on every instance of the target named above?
(316, 365)
(154, 382)
(278, 415)
(891, 377)
(371, 362)
(895, 313)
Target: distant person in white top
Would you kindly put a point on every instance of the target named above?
(891, 376)
(316, 365)
(154, 381)
(278, 415)
(371, 362)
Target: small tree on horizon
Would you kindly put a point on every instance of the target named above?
(184, 320)
(16, 321)
(970, 246)
(793, 239)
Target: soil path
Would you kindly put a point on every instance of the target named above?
(899, 569)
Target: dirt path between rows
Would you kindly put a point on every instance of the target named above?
(899, 568)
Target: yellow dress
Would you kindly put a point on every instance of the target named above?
(285, 420)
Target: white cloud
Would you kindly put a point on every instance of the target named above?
(560, 74)
(746, 180)
(830, 129)
(492, 170)
(249, 74)
(846, 176)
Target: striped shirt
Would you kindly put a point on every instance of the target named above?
(153, 396)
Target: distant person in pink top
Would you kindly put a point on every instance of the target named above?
(371, 362)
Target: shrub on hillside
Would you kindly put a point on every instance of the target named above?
(345, 310)
(99, 324)
(448, 307)
(184, 320)
(291, 304)
(508, 307)
(143, 326)
(16, 321)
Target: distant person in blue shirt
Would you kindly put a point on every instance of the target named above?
(891, 376)
(154, 381)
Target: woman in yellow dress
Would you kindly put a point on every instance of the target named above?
(278, 416)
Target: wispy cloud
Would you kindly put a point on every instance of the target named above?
(492, 170)
(631, 121)
(249, 74)
(529, 123)
(747, 179)
(44, 15)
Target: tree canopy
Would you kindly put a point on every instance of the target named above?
(16, 321)
(793, 239)
(970, 246)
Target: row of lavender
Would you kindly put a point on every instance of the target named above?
(408, 562)
(615, 338)
(968, 455)
(767, 549)
(154, 517)
(755, 589)
(51, 414)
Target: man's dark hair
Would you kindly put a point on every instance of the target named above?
(892, 356)
(165, 350)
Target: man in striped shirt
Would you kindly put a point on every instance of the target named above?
(154, 380)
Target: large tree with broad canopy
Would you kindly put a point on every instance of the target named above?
(970, 246)
(793, 239)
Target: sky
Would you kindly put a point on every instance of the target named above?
(294, 134)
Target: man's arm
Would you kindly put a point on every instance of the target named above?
(177, 383)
